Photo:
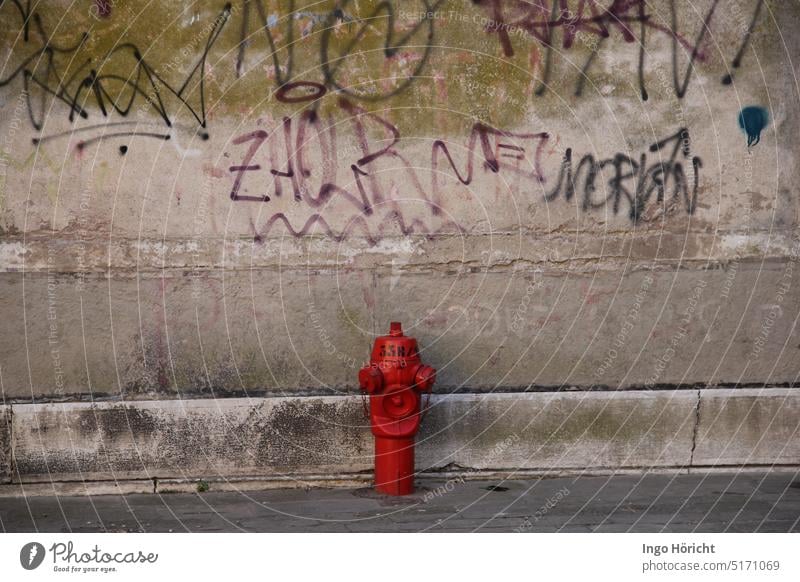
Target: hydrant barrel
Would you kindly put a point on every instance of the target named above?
(395, 380)
(394, 466)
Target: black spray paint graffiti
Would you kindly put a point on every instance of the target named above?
(315, 185)
(330, 64)
(597, 23)
(300, 135)
(625, 183)
(134, 79)
(288, 157)
(125, 77)
(284, 155)
(140, 79)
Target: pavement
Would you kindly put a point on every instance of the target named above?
(710, 502)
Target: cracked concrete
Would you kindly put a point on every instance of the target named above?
(696, 426)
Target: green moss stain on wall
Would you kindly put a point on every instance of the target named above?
(437, 74)
(428, 67)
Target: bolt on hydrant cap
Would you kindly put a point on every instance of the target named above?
(396, 329)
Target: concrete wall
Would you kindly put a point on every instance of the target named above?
(233, 200)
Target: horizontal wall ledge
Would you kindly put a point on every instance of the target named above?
(317, 438)
(315, 391)
(68, 252)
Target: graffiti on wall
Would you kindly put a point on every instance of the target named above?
(339, 60)
(125, 76)
(631, 184)
(595, 23)
(619, 184)
(405, 40)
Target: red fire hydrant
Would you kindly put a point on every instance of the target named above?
(395, 380)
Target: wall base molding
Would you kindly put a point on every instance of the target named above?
(258, 443)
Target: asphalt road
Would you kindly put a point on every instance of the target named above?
(735, 502)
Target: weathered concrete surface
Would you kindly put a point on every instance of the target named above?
(734, 502)
(179, 184)
(274, 331)
(307, 438)
(150, 336)
(620, 328)
(192, 438)
(559, 430)
(190, 485)
(5, 444)
(748, 427)
(426, 182)
(613, 206)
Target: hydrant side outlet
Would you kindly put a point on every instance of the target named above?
(394, 380)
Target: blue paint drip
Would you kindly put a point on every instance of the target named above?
(752, 120)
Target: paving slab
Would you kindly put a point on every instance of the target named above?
(711, 502)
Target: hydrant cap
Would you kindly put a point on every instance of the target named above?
(396, 329)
